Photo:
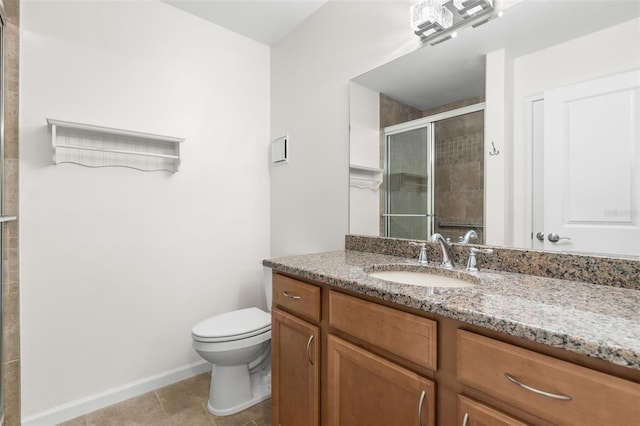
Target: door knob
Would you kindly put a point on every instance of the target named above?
(554, 238)
(540, 236)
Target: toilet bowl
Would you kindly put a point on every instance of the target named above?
(238, 345)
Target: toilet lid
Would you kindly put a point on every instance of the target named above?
(244, 322)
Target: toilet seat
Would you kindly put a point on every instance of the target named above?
(230, 326)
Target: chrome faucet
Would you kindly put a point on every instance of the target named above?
(472, 266)
(446, 250)
(470, 235)
(422, 257)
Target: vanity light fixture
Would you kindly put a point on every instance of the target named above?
(490, 18)
(431, 19)
(471, 7)
(447, 37)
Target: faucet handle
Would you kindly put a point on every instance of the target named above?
(475, 250)
(472, 266)
(422, 257)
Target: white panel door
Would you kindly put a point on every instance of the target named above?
(592, 166)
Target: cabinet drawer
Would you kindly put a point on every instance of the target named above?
(297, 296)
(409, 336)
(473, 413)
(573, 394)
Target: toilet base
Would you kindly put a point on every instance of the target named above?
(249, 388)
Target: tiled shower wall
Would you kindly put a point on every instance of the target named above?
(395, 112)
(10, 291)
(459, 191)
(459, 176)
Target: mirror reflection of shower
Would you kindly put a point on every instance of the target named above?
(433, 173)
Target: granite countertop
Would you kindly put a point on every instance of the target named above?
(590, 319)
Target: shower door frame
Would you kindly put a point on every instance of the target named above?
(429, 122)
(2, 217)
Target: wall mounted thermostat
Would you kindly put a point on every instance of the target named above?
(280, 150)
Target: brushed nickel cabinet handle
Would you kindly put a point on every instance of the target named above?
(309, 347)
(424, 393)
(465, 419)
(291, 296)
(537, 391)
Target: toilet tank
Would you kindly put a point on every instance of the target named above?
(268, 285)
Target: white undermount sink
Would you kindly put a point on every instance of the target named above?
(429, 277)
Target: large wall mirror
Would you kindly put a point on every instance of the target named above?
(522, 132)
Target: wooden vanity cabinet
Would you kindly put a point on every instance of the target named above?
(339, 359)
(359, 387)
(295, 347)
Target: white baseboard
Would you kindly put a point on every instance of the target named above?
(100, 400)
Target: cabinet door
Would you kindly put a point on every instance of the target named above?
(368, 390)
(295, 372)
(473, 413)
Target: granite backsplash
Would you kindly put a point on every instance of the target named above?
(610, 271)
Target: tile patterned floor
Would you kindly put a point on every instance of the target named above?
(181, 404)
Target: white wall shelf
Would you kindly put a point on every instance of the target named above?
(365, 169)
(365, 177)
(97, 146)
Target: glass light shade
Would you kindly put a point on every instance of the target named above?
(479, 5)
(427, 13)
(447, 18)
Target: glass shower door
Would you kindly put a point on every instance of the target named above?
(408, 199)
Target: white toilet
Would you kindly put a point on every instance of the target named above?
(238, 344)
